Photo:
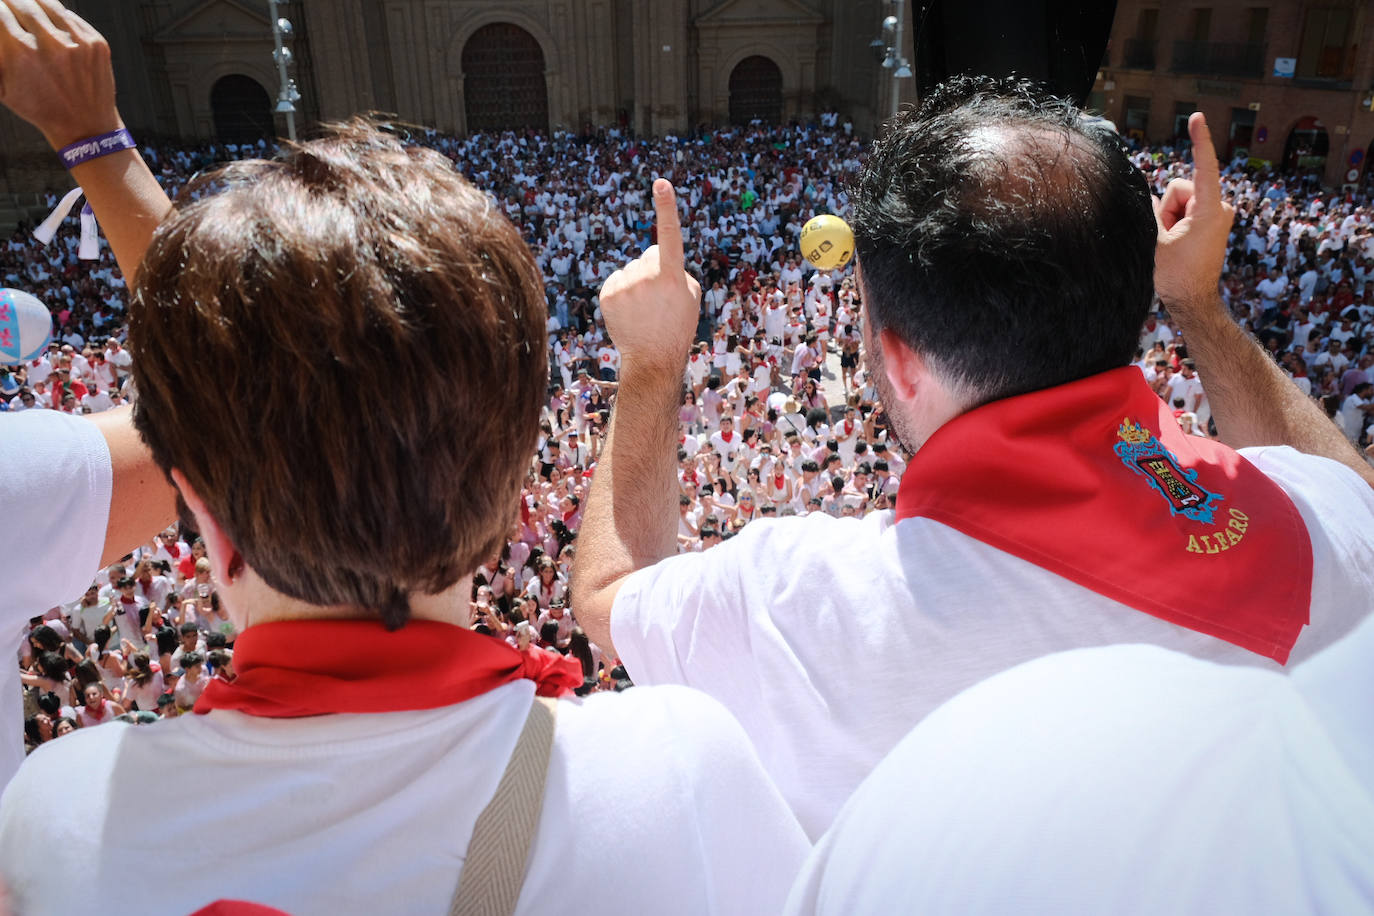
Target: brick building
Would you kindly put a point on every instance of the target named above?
(1287, 82)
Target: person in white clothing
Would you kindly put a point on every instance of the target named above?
(368, 725)
(1356, 411)
(726, 442)
(1126, 778)
(61, 487)
(1048, 488)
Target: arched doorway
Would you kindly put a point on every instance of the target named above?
(1307, 147)
(1367, 165)
(503, 80)
(242, 109)
(756, 91)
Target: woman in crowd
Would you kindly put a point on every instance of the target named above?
(109, 661)
(98, 708)
(143, 683)
(547, 585)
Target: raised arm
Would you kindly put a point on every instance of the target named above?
(55, 73)
(1253, 401)
(630, 522)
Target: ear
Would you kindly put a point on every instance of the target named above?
(225, 560)
(906, 371)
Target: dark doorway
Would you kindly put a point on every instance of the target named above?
(756, 91)
(1307, 147)
(1242, 132)
(503, 80)
(1135, 117)
(242, 109)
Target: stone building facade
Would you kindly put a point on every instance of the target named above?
(1290, 83)
(204, 68)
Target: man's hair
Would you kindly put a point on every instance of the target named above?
(378, 332)
(188, 628)
(1004, 240)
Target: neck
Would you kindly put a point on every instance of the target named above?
(250, 601)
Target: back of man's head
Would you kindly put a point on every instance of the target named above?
(377, 328)
(1004, 240)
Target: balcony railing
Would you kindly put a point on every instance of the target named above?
(1139, 54)
(1314, 82)
(1218, 58)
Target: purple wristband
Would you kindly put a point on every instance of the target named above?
(94, 147)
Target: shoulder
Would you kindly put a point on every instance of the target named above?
(33, 814)
(1009, 752)
(1312, 477)
(721, 838)
(682, 729)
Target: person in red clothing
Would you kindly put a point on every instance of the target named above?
(187, 564)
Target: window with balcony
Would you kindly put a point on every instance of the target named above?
(1219, 58)
(1199, 55)
(1139, 52)
(1327, 51)
(1202, 23)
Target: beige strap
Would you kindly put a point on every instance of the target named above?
(499, 851)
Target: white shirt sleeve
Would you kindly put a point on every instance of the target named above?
(55, 488)
(55, 481)
(684, 616)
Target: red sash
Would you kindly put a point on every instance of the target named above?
(294, 668)
(1095, 481)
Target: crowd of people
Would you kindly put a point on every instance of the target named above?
(759, 437)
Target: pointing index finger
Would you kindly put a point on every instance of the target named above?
(1206, 175)
(669, 226)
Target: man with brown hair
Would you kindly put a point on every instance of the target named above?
(368, 733)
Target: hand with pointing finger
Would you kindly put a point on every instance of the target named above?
(1193, 225)
(651, 304)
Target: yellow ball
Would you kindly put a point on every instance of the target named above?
(827, 241)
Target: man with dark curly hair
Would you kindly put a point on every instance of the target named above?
(1008, 252)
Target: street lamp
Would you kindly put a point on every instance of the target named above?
(287, 96)
(890, 43)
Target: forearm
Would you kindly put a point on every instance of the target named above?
(1253, 402)
(630, 520)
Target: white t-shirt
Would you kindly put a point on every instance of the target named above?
(830, 638)
(1128, 780)
(55, 488)
(653, 800)
(1185, 388)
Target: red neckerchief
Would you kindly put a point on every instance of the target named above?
(294, 668)
(1095, 481)
(727, 436)
(238, 908)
